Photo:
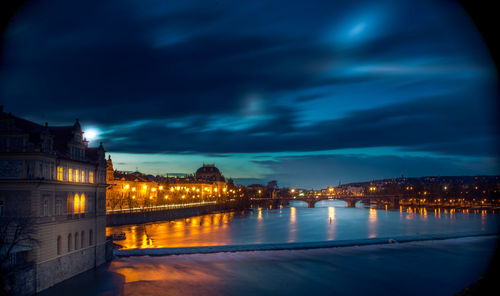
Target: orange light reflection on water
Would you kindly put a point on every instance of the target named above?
(372, 223)
(208, 230)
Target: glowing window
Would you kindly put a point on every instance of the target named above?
(76, 175)
(60, 172)
(82, 203)
(76, 204)
(91, 177)
(70, 175)
(82, 176)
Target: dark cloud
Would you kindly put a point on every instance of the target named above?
(200, 77)
(320, 171)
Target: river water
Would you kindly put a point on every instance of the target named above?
(432, 267)
(328, 221)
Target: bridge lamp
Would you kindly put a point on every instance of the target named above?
(127, 186)
(293, 190)
(133, 188)
(161, 187)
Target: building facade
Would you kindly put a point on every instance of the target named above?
(50, 175)
(137, 191)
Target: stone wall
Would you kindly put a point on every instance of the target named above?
(169, 214)
(22, 282)
(68, 265)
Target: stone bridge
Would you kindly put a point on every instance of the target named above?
(351, 201)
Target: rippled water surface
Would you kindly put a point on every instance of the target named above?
(329, 220)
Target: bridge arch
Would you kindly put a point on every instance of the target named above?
(298, 203)
(330, 203)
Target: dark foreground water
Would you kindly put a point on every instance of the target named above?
(432, 267)
(441, 267)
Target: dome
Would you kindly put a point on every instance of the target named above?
(209, 172)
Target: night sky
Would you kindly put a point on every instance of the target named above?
(309, 93)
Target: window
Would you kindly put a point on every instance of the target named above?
(82, 176)
(59, 245)
(1, 208)
(60, 173)
(82, 203)
(76, 204)
(91, 241)
(76, 240)
(45, 207)
(70, 175)
(69, 242)
(91, 177)
(82, 236)
(69, 204)
(76, 175)
(58, 207)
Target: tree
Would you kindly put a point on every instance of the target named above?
(16, 234)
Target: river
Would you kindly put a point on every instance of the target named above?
(328, 221)
(430, 267)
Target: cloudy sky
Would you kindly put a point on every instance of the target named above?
(310, 93)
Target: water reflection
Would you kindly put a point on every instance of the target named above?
(300, 224)
(292, 230)
(331, 226)
(331, 214)
(372, 223)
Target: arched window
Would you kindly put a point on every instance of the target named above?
(82, 203)
(76, 204)
(70, 204)
(59, 245)
(69, 242)
(91, 241)
(82, 238)
(76, 240)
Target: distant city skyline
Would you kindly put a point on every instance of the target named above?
(306, 93)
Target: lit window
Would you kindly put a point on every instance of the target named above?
(70, 175)
(69, 204)
(60, 173)
(82, 176)
(91, 177)
(76, 175)
(76, 204)
(82, 203)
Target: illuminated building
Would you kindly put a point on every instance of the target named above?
(145, 192)
(49, 175)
